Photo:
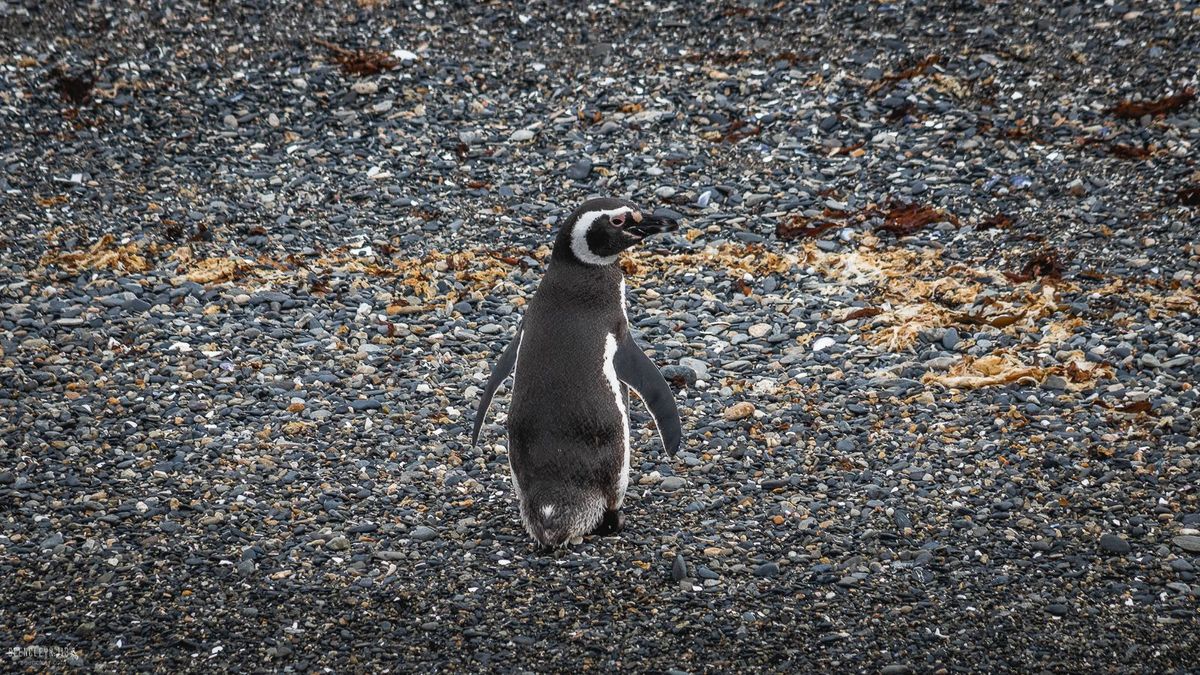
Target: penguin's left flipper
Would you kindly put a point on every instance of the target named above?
(636, 369)
(503, 367)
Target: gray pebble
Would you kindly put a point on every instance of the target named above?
(679, 568)
(423, 533)
(1188, 542)
(1114, 544)
(768, 569)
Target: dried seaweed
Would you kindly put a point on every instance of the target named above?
(49, 202)
(798, 226)
(986, 371)
(860, 313)
(1136, 407)
(995, 320)
(1005, 368)
(102, 255)
(912, 71)
(359, 62)
(1047, 263)
(900, 328)
(1131, 110)
(736, 131)
(999, 221)
(214, 270)
(1130, 151)
(905, 219)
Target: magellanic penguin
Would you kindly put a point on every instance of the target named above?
(575, 361)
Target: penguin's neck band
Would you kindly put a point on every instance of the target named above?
(579, 245)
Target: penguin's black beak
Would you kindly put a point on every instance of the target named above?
(644, 226)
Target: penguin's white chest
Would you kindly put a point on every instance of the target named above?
(614, 386)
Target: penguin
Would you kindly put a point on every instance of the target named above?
(573, 361)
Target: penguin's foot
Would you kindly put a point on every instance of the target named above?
(612, 523)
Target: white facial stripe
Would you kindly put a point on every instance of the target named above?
(579, 236)
(610, 374)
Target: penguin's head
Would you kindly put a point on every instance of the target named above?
(601, 228)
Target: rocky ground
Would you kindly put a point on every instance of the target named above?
(932, 319)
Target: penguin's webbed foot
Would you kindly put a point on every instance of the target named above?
(612, 523)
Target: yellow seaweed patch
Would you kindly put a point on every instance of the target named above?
(213, 270)
(102, 255)
(1003, 367)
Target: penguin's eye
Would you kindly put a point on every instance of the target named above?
(617, 220)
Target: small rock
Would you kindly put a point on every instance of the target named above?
(739, 411)
(1056, 382)
(423, 533)
(672, 483)
(365, 87)
(338, 543)
(823, 343)
(679, 568)
(521, 135)
(580, 170)
(950, 339)
(760, 330)
(698, 366)
(766, 387)
(680, 376)
(137, 305)
(1114, 544)
(365, 404)
(769, 569)
(1057, 609)
(1188, 542)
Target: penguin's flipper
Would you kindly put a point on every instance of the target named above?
(636, 369)
(500, 371)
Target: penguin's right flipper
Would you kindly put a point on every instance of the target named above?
(636, 369)
(502, 369)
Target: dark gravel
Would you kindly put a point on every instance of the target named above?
(932, 320)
